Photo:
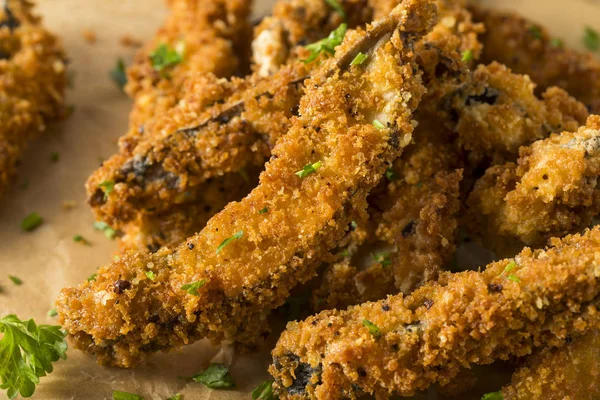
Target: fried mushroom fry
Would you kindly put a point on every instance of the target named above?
(404, 344)
(224, 282)
(33, 78)
(550, 192)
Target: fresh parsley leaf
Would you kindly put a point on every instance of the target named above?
(390, 175)
(237, 235)
(383, 259)
(176, 397)
(31, 222)
(54, 156)
(359, 59)
(92, 278)
(104, 227)
(309, 169)
(493, 396)
(337, 7)
(509, 267)
(467, 55)
(263, 211)
(535, 31)
(556, 42)
(373, 329)
(119, 395)
(15, 280)
(118, 74)
(151, 275)
(80, 239)
(192, 288)
(514, 278)
(591, 39)
(326, 45)
(52, 313)
(264, 391)
(377, 124)
(216, 376)
(164, 57)
(107, 187)
(27, 352)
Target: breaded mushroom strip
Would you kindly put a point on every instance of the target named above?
(527, 48)
(207, 36)
(33, 78)
(404, 344)
(551, 192)
(570, 372)
(224, 282)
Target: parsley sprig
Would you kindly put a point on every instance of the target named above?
(164, 57)
(309, 169)
(326, 45)
(119, 395)
(216, 376)
(118, 74)
(264, 391)
(373, 329)
(27, 352)
(591, 39)
(224, 243)
(493, 396)
(192, 288)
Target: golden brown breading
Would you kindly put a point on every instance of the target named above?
(551, 192)
(33, 79)
(245, 262)
(567, 373)
(496, 112)
(211, 37)
(404, 344)
(527, 48)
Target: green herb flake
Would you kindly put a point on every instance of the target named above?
(591, 39)
(390, 175)
(165, 57)
(263, 211)
(467, 55)
(353, 225)
(514, 278)
(373, 329)
(216, 376)
(27, 352)
(80, 239)
(264, 391)
(383, 259)
(337, 7)
(92, 278)
(237, 235)
(54, 156)
(345, 253)
(119, 395)
(192, 288)
(535, 31)
(118, 74)
(176, 397)
(31, 222)
(359, 59)
(15, 280)
(107, 187)
(378, 124)
(309, 169)
(509, 267)
(556, 42)
(104, 227)
(52, 313)
(326, 45)
(493, 396)
(151, 275)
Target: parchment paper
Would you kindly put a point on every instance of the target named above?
(48, 259)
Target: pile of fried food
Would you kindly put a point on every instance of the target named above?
(365, 135)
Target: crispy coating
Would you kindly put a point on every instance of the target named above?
(32, 83)
(245, 262)
(464, 318)
(212, 37)
(550, 192)
(527, 48)
(496, 112)
(567, 373)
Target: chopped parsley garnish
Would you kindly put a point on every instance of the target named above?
(337, 7)
(152, 276)
(467, 55)
(309, 169)
(27, 352)
(373, 329)
(493, 396)
(509, 267)
(263, 211)
(535, 31)
(383, 259)
(164, 57)
(377, 124)
(192, 288)
(556, 42)
(54, 156)
(107, 187)
(359, 59)
(176, 397)
(80, 239)
(390, 175)
(31, 222)
(237, 235)
(92, 278)
(264, 391)
(119, 395)
(15, 280)
(216, 376)
(104, 227)
(118, 74)
(514, 278)
(326, 45)
(591, 39)
(345, 253)
(52, 313)
(353, 225)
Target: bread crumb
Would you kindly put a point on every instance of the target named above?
(129, 41)
(68, 205)
(89, 36)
